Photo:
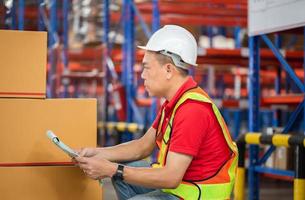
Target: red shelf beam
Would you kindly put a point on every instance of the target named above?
(194, 9)
(226, 2)
(84, 75)
(283, 178)
(202, 20)
(230, 103)
(283, 99)
(85, 54)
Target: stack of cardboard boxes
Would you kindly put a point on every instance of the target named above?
(31, 167)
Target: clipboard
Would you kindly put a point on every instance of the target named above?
(61, 145)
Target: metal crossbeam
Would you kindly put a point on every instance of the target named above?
(287, 128)
(284, 63)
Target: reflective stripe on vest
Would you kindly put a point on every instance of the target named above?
(219, 186)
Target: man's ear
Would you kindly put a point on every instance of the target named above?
(169, 71)
(168, 67)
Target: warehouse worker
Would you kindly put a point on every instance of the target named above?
(197, 158)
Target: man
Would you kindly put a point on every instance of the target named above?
(197, 158)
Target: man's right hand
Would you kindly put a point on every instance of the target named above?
(87, 152)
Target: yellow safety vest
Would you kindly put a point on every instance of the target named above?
(218, 187)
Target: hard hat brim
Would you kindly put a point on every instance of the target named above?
(142, 47)
(147, 49)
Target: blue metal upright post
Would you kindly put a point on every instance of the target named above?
(65, 13)
(106, 54)
(237, 112)
(106, 26)
(278, 44)
(53, 20)
(41, 25)
(128, 61)
(124, 25)
(53, 59)
(10, 16)
(155, 27)
(14, 16)
(237, 122)
(254, 99)
(277, 113)
(21, 14)
(156, 16)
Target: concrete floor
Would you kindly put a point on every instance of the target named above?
(108, 190)
(269, 190)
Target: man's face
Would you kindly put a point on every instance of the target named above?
(154, 75)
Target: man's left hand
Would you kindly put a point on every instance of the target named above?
(96, 168)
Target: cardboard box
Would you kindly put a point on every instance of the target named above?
(24, 122)
(47, 183)
(283, 158)
(23, 63)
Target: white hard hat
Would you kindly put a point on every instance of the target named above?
(176, 42)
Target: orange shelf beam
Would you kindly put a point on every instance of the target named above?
(194, 9)
(283, 178)
(144, 102)
(230, 103)
(84, 75)
(226, 2)
(283, 99)
(85, 54)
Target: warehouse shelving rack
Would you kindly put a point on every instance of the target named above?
(255, 101)
(210, 13)
(173, 13)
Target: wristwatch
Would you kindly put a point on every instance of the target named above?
(119, 173)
